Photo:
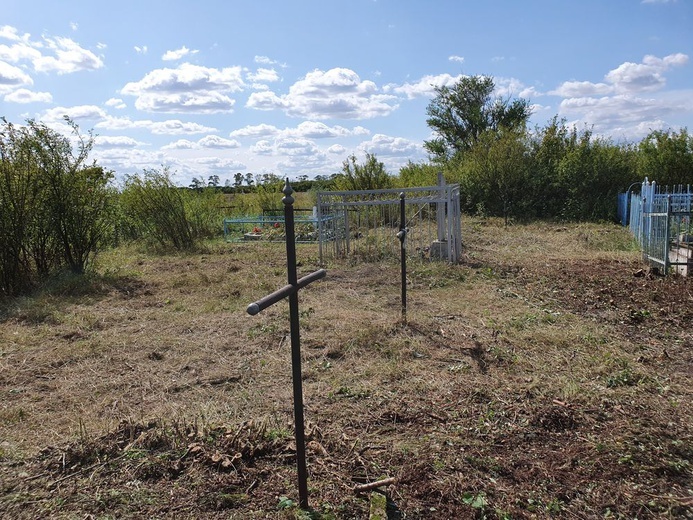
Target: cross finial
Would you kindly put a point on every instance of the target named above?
(287, 191)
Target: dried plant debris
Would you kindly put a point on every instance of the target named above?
(546, 375)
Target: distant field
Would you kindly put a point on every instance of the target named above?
(547, 375)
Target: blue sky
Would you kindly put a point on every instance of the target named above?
(294, 87)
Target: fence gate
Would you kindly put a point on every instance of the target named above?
(661, 222)
(364, 224)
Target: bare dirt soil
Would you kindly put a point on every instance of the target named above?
(549, 375)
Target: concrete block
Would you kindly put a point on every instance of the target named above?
(439, 250)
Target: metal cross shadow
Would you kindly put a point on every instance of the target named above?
(291, 291)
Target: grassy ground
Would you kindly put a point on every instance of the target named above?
(547, 375)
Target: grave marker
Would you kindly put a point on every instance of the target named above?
(291, 291)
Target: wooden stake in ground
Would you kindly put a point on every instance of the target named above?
(291, 291)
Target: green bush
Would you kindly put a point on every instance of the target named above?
(55, 209)
(155, 209)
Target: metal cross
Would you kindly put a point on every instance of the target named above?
(291, 290)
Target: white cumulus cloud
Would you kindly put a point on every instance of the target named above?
(336, 93)
(185, 102)
(424, 86)
(581, 89)
(388, 146)
(175, 126)
(23, 95)
(617, 115)
(11, 33)
(262, 147)
(49, 54)
(180, 144)
(631, 99)
(646, 76)
(116, 103)
(263, 76)
(220, 165)
(261, 130)
(121, 141)
(11, 76)
(178, 54)
(169, 127)
(187, 88)
(265, 60)
(214, 141)
(316, 130)
(68, 57)
(76, 113)
(295, 146)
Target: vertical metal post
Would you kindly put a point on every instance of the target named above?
(402, 235)
(440, 209)
(321, 230)
(288, 201)
(667, 230)
(641, 235)
(346, 225)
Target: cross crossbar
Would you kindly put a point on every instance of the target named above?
(287, 290)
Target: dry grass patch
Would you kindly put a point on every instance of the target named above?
(540, 377)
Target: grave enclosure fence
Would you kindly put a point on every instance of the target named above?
(660, 219)
(362, 225)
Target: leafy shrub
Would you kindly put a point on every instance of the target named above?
(155, 209)
(55, 209)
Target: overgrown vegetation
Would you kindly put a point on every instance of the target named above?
(155, 209)
(56, 209)
(461, 114)
(371, 175)
(551, 172)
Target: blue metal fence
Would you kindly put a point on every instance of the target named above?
(660, 220)
(623, 208)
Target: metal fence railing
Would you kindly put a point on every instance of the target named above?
(366, 222)
(660, 220)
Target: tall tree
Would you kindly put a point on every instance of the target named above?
(213, 181)
(461, 113)
(197, 184)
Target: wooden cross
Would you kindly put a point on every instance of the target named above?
(291, 290)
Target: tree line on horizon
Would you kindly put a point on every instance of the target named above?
(58, 209)
(484, 143)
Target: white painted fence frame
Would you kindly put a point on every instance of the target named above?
(443, 200)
